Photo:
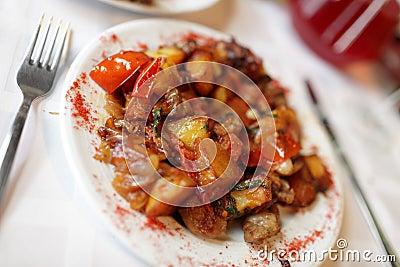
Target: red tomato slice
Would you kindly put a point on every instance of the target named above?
(116, 69)
(285, 148)
(150, 70)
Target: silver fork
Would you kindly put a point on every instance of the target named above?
(35, 78)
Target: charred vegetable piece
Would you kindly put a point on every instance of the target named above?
(310, 179)
(304, 189)
(239, 57)
(145, 2)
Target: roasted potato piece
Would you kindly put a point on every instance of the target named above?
(203, 221)
(126, 187)
(249, 199)
(217, 167)
(124, 184)
(164, 189)
(113, 106)
(201, 71)
(302, 184)
(315, 166)
(156, 208)
(262, 225)
(319, 172)
(171, 53)
(189, 129)
(206, 176)
(119, 161)
(221, 161)
(137, 200)
(222, 94)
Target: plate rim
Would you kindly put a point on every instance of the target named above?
(154, 10)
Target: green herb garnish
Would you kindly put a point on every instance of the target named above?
(230, 207)
(252, 131)
(206, 126)
(250, 184)
(156, 120)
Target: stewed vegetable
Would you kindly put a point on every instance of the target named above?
(288, 178)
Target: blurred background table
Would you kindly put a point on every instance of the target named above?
(46, 220)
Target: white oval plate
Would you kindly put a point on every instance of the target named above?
(163, 7)
(168, 243)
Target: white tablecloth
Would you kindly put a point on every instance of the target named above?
(46, 220)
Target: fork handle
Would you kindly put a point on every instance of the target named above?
(10, 143)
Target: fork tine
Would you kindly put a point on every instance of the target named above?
(51, 48)
(57, 56)
(39, 55)
(33, 41)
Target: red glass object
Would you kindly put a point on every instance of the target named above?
(343, 31)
